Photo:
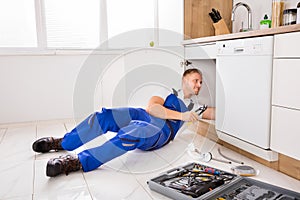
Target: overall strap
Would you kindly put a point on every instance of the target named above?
(191, 104)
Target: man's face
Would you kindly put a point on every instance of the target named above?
(192, 83)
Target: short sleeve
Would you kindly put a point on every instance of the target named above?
(162, 92)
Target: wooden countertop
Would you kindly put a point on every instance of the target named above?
(255, 33)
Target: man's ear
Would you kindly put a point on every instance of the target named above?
(184, 80)
(183, 84)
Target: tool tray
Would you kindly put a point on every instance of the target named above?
(197, 181)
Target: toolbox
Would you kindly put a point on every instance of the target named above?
(197, 181)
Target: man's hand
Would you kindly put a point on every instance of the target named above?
(189, 116)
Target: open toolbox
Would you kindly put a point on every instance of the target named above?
(197, 181)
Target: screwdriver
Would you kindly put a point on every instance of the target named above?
(212, 171)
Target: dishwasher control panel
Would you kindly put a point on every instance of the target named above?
(247, 46)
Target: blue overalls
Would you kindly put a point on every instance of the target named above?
(135, 128)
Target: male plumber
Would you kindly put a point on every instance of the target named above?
(136, 128)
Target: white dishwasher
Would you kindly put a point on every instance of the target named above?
(243, 91)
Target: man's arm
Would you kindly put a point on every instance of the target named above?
(155, 108)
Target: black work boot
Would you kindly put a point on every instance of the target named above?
(46, 144)
(62, 164)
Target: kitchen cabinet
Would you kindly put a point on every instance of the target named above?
(285, 127)
(220, 63)
(286, 83)
(285, 131)
(283, 153)
(197, 22)
(287, 45)
(201, 51)
(202, 56)
(138, 74)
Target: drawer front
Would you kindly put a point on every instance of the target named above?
(285, 131)
(287, 45)
(286, 83)
(207, 51)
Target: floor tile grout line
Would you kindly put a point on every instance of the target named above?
(33, 178)
(133, 191)
(143, 187)
(161, 157)
(168, 162)
(124, 164)
(2, 138)
(34, 164)
(65, 127)
(87, 185)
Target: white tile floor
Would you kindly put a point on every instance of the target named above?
(22, 172)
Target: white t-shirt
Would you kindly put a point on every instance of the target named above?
(193, 103)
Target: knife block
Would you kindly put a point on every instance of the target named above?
(221, 28)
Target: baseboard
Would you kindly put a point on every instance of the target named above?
(265, 154)
(289, 166)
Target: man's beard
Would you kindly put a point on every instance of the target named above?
(196, 92)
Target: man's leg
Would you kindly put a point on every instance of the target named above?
(138, 134)
(101, 122)
(93, 126)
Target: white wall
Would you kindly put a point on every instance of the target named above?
(259, 9)
(43, 87)
(36, 87)
(49, 87)
(291, 3)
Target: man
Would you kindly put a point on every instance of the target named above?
(145, 129)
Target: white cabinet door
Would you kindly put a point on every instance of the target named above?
(285, 131)
(131, 78)
(149, 71)
(287, 45)
(286, 83)
(203, 51)
(285, 127)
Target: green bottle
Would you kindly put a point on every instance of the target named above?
(265, 23)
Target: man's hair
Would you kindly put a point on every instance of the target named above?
(191, 71)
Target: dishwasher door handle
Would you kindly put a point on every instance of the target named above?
(238, 50)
